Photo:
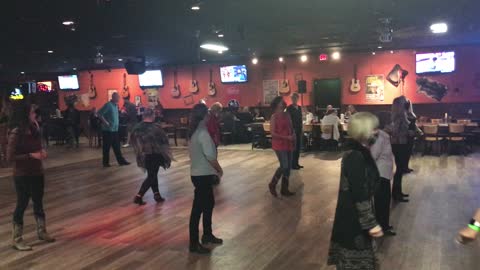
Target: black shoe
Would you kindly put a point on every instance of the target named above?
(405, 195)
(158, 198)
(106, 165)
(124, 163)
(300, 166)
(139, 201)
(400, 199)
(389, 231)
(199, 249)
(211, 239)
(296, 168)
(287, 193)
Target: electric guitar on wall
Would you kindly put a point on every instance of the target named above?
(194, 83)
(92, 90)
(284, 85)
(126, 89)
(355, 85)
(176, 88)
(212, 91)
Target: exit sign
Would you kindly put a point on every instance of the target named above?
(323, 57)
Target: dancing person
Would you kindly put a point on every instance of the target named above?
(72, 120)
(152, 150)
(26, 151)
(283, 143)
(381, 151)
(470, 233)
(414, 131)
(295, 113)
(355, 226)
(399, 139)
(131, 115)
(108, 114)
(331, 119)
(203, 169)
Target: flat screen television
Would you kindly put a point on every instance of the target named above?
(68, 82)
(45, 86)
(435, 63)
(234, 74)
(151, 78)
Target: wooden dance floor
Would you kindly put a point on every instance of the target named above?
(90, 212)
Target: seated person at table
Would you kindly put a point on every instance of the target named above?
(258, 115)
(350, 111)
(309, 117)
(331, 118)
(245, 116)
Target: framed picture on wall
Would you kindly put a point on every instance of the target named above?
(138, 100)
(110, 93)
(375, 87)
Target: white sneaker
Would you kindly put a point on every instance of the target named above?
(125, 145)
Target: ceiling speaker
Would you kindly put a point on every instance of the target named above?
(136, 66)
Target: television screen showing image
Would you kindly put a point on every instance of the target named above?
(434, 63)
(151, 78)
(68, 82)
(234, 74)
(44, 86)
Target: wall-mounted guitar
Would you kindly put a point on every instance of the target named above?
(284, 85)
(126, 89)
(212, 90)
(92, 90)
(176, 87)
(194, 83)
(355, 85)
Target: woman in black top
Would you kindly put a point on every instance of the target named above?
(355, 226)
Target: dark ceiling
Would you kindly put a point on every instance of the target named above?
(168, 32)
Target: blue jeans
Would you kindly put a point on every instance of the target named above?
(285, 160)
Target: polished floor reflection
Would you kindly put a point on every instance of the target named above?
(90, 212)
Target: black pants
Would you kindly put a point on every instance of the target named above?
(382, 203)
(73, 134)
(203, 203)
(29, 187)
(111, 139)
(152, 165)
(411, 141)
(298, 146)
(400, 151)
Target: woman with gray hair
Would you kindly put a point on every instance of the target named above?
(399, 139)
(152, 150)
(355, 225)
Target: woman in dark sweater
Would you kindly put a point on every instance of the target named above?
(400, 134)
(355, 226)
(26, 151)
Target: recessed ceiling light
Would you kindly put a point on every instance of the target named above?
(214, 47)
(391, 51)
(303, 58)
(220, 35)
(74, 68)
(336, 55)
(195, 7)
(439, 28)
(22, 72)
(120, 59)
(280, 59)
(220, 52)
(255, 61)
(68, 23)
(204, 60)
(373, 53)
(380, 47)
(50, 51)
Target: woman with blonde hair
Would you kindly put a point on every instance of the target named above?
(399, 138)
(355, 225)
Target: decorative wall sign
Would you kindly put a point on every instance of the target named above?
(270, 91)
(397, 75)
(431, 89)
(110, 93)
(375, 87)
(152, 97)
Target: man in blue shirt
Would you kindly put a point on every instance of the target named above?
(109, 116)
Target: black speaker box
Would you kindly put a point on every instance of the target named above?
(302, 86)
(135, 66)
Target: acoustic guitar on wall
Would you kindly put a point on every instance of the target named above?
(212, 90)
(284, 85)
(176, 88)
(92, 90)
(194, 83)
(355, 85)
(126, 89)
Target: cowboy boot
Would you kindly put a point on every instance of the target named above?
(273, 186)
(42, 230)
(17, 238)
(284, 191)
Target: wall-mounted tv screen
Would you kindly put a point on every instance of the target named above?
(68, 82)
(234, 74)
(151, 78)
(45, 86)
(435, 63)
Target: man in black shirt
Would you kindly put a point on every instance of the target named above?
(295, 112)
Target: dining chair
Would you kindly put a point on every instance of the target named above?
(431, 138)
(436, 121)
(456, 135)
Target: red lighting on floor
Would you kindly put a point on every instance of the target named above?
(323, 57)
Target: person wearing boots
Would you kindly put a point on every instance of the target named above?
(295, 112)
(283, 143)
(203, 170)
(25, 150)
(151, 147)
